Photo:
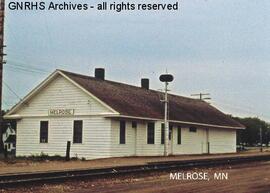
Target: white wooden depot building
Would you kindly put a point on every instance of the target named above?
(103, 119)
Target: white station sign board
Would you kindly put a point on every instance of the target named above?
(61, 112)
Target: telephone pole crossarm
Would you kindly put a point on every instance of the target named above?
(201, 96)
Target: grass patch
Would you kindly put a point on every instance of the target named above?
(42, 157)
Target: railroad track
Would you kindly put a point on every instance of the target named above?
(13, 180)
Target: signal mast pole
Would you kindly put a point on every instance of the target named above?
(166, 78)
(166, 123)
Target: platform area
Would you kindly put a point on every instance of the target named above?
(25, 166)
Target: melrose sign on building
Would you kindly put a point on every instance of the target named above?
(61, 112)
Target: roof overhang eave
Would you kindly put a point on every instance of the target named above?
(13, 116)
(176, 121)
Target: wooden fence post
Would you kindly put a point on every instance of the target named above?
(5, 152)
(68, 151)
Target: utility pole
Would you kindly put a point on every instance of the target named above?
(2, 17)
(166, 78)
(201, 95)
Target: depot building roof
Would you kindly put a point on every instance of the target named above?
(137, 102)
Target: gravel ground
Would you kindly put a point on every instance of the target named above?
(242, 178)
(30, 166)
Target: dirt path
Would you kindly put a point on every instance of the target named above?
(242, 178)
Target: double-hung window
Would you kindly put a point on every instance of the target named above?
(77, 131)
(44, 125)
(151, 133)
(122, 134)
(179, 135)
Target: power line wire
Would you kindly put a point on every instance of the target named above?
(12, 91)
(16, 69)
(242, 110)
(24, 72)
(25, 67)
(46, 62)
(8, 104)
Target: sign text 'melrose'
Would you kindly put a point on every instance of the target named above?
(61, 112)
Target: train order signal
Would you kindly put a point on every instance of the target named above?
(166, 78)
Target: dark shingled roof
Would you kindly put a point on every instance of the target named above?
(11, 139)
(139, 102)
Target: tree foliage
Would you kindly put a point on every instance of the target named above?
(251, 135)
(4, 125)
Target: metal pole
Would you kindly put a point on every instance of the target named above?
(166, 78)
(261, 149)
(166, 143)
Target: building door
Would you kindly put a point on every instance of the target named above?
(205, 142)
(133, 138)
(134, 133)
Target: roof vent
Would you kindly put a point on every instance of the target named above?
(145, 83)
(100, 73)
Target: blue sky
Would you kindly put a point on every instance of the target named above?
(216, 46)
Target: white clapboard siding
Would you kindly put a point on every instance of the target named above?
(61, 94)
(96, 138)
(128, 149)
(191, 142)
(144, 149)
(101, 135)
(222, 141)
